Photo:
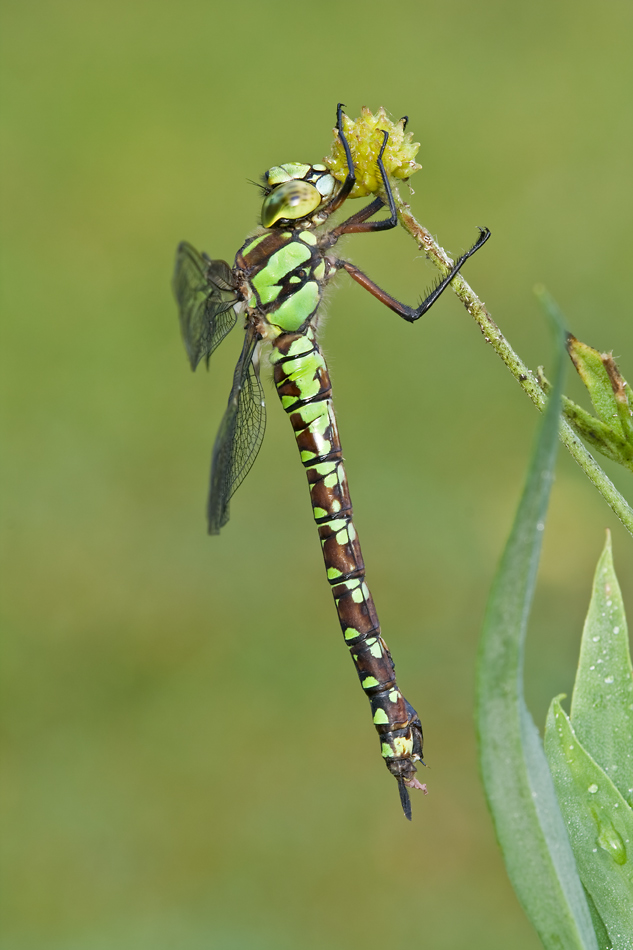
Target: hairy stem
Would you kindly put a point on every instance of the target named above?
(523, 375)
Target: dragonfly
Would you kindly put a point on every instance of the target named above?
(276, 285)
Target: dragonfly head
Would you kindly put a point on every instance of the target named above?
(295, 191)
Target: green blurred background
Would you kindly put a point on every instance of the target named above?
(191, 763)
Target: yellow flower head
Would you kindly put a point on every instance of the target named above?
(365, 141)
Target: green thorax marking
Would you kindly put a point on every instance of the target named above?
(286, 271)
(280, 265)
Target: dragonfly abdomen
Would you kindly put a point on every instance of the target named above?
(304, 387)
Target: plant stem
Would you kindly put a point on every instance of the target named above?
(522, 373)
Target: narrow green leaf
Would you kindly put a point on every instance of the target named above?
(602, 936)
(602, 702)
(516, 777)
(626, 414)
(600, 436)
(622, 395)
(600, 824)
(592, 371)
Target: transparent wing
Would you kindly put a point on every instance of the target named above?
(200, 287)
(240, 435)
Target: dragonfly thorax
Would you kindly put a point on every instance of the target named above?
(294, 192)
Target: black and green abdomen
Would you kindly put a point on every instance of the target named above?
(304, 387)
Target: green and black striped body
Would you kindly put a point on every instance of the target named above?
(277, 284)
(304, 387)
(286, 272)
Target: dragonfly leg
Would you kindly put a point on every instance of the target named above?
(358, 222)
(350, 181)
(410, 313)
(353, 225)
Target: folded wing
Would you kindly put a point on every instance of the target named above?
(206, 296)
(240, 434)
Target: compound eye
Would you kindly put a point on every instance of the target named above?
(292, 200)
(280, 173)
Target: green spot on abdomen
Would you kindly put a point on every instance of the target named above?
(370, 681)
(337, 524)
(304, 369)
(324, 468)
(381, 717)
(300, 346)
(353, 583)
(314, 411)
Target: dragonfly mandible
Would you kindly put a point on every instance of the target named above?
(276, 284)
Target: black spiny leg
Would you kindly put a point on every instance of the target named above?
(350, 181)
(358, 222)
(410, 313)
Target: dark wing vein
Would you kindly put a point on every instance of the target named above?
(240, 435)
(200, 286)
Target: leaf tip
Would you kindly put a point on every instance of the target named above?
(606, 557)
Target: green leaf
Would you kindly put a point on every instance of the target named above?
(591, 757)
(599, 435)
(622, 394)
(602, 702)
(602, 936)
(600, 824)
(611, 395)
(626, 409)
(592, 371)
(516, 777)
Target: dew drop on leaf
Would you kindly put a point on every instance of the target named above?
(610, 841)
